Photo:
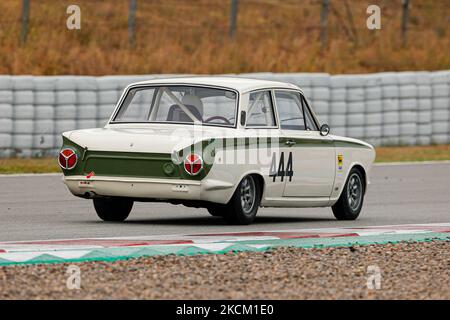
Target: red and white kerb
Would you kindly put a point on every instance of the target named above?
(67, 159)
(193, 164)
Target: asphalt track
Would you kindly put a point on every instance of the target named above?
(40, 207)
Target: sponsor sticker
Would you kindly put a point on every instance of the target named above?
(340, 161)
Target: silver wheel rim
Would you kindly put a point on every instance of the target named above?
(248, 194)
(354, 191)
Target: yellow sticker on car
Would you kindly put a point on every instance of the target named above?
(340, 161)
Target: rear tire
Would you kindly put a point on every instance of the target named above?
(217, 210)
(244, 203)
(113, 209)
(351, 200)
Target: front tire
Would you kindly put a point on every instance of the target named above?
(351, 200)
(244, 203)
(113, 209)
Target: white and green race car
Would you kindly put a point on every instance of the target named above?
(230, 145)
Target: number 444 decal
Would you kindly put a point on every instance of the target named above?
(279, 170)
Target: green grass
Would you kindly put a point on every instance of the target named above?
(384, 154)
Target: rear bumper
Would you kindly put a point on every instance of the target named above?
(176, 189)
(134, 187)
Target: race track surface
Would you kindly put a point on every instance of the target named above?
(40, 207)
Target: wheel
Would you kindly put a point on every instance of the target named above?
(351, 200)
(217, 210)
(113, 209)
(244, 203)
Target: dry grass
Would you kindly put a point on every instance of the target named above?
(416, 153)
(384, 154)
(192, 37)
(34, 165)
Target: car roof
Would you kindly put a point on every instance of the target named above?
(237, 83)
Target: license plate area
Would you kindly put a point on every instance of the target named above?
(85, 184)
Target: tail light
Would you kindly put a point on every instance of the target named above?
(67, 159)
(193, 164)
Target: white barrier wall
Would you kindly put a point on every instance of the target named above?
(404, 108)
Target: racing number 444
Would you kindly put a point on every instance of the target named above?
(280, 170)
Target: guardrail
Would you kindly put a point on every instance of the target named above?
(404, 108)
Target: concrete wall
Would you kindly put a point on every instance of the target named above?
(382, 108)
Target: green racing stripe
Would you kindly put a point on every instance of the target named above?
(160, 165)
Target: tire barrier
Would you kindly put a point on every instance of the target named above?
(390, 108)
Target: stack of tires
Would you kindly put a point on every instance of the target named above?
(374, 110)
(24, 104)
(408, 104)
(356, 107)
(338, 105)
(87, 88)
(44, 116)
(319, 94)
(389, 108)
(424, 108)
(6, 116)
(108, 95)
(441, 107)
(66, 106)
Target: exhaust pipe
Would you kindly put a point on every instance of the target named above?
(89, 195)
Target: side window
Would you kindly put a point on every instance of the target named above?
(310, 124)
(260, 110)
(219, 107)
(290, 110)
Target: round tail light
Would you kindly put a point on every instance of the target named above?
(67, 159)
(193, 164)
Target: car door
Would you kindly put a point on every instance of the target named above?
(261, 122)
(307, 158)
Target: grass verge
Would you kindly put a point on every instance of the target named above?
(33, 165)
(413, 153)
(384, 154)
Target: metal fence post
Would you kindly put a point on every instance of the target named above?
(25, 20)
(132, 22)
(324, 22)
(233, 18)
(405, 18)
(351, 21)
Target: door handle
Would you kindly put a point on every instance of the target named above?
(290, 142)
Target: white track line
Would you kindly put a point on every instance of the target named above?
(181, 235)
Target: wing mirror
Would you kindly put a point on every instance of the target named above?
(324, 130)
